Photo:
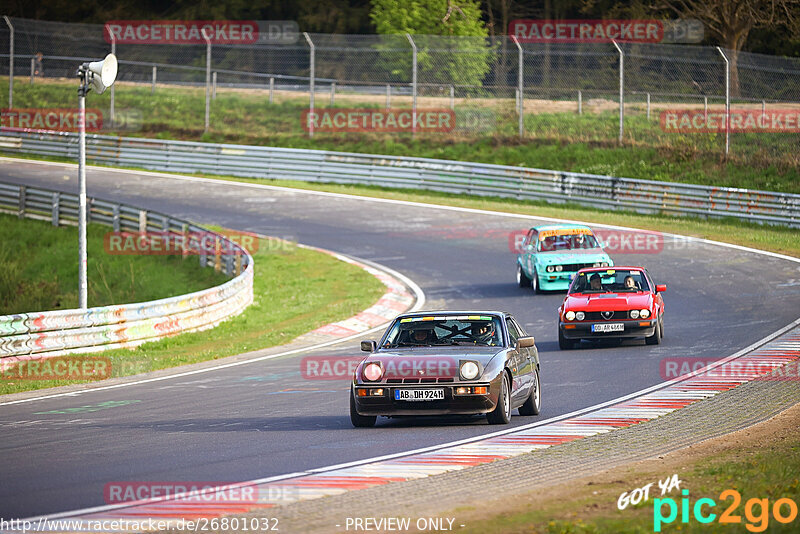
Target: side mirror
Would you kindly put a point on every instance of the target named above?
(525, 342)
(369, 346)
(661, 287)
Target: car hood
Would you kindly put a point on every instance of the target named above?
(590, 255)
(608, 301)
(428, 362)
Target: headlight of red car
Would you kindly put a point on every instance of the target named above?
(644, 314)
(372, 372)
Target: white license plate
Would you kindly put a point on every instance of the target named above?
(608, 327)
(418, 394)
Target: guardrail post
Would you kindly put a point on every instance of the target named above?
(56, 209)
(142, 222)
(311, 74)
(520, 87)
(10, 62)
(21, 208)
(727, 100)
(621, 90)
(271, 89)
(155, 76)
(115, 217)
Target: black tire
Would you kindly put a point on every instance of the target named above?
(655, 339)
(522, 278)
(564, 343)
(535, 282)
(501, 414)
(533, 405)
(662, 326)
(358, 420)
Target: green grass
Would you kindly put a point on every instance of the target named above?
(564, 141)
(295, 291)
(39, 270)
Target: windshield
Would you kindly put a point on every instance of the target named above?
(430, 331)
(610, 281)
(580, 241)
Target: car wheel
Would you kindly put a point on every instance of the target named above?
(533, 405)
(358, 420)
(662, 327)
(564, 343)
(501, 414)
(522, 278)
(655, 339)
(535, 282)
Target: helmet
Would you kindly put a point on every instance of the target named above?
(483, 332)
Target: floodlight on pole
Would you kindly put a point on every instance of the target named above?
(97, 75)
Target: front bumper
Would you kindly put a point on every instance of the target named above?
(583, 329)
(451, 404)
(555, 281)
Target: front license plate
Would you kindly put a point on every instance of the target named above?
(418, 394)
(608, 327)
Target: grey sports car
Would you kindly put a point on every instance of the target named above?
(443, 362)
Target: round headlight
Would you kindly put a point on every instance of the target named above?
(550, 268)
(570, 315)
(634, 314)
(469, 370)
(559, 268)
(604, 264)
(580, 315)
(596, 264)
(644, 314)
(372, 372)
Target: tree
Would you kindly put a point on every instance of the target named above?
(730, 21)
(462, 59)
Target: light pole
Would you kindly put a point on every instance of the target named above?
(97, 75)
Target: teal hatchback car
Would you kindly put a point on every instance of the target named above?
(552, 254)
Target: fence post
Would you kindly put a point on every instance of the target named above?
(112, 107)
(333, 93)
(580, 102)
(312, 61)
(208, 79)
(520, 88)
(33, 68)
(452, 98)
(413, 85)
(727, 100)
(214, 85)
(155, 75)
(705, 108)
(388, 96)
(10, 62)
(621, 90)
(271, 88)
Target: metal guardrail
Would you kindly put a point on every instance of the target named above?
(52, 333)
(592, 190)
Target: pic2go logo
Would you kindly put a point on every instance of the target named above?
(756, 511)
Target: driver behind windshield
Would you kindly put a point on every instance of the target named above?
(595, 282)
(483, 333)
(423, 336)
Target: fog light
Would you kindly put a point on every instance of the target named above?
(570, 326)
(462, 391)
(377, 392)
(481, 390)
(362, 392)
(644, 323)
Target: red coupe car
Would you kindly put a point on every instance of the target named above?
(616, 302)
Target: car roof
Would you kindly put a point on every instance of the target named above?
(613, 268)
(453, 312)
